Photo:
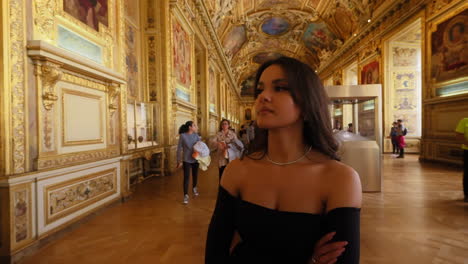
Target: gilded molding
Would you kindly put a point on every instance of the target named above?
(78, 79)
(48, 75)
(380, 25)
(152, 72)
(18, 84)
(151, 20)
(437, 5)
(113, 90)
(44, 19)
(74, 158)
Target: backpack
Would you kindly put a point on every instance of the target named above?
(405, 132)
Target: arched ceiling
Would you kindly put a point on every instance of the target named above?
(253, 31)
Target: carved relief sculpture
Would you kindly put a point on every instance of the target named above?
(48, 75)
(113, 92)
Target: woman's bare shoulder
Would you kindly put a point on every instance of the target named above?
(235, 173)
(343, 184)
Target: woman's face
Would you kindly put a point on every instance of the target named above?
(194, 128)
(275, 106)
(225, 125)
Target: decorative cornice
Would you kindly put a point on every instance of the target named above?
(41, 50)
(202, 10)
(411, 6)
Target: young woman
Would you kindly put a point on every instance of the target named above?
(289, 200)
(224, 137)
(187, 138)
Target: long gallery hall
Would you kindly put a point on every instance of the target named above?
(328, 115)
(418, 217)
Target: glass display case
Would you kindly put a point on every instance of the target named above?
(141, 125)
(131, 132)
(357, 121)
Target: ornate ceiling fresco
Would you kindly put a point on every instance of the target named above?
(254, 31)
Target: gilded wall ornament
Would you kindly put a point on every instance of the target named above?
(17, 83)
(74, 158)
(152, 69)
(113, 90)
(44, 18)
(49, 74)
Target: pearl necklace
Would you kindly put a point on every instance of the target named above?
(289, 162)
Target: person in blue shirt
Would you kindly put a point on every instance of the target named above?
(187, 138)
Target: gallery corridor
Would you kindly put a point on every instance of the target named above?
(418, 218)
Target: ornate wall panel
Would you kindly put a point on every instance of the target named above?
(441, 119)
(82, 119)
(78, 105)
(64, 197)
(22, 215)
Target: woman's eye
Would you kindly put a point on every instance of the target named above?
(281, 88)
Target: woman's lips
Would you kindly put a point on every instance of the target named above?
(265, 111)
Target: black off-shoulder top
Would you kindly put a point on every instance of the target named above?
(272, 236)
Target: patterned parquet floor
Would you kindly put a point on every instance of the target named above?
(418, 218)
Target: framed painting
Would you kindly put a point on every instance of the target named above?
(448, 39)
(370, 73)
(90, 12)
(247, 86)
(182, 54)
(449, 55)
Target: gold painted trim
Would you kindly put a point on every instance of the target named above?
(75, 158)
(101, 129)
(17, 94)
(48, 189)
(29, 238)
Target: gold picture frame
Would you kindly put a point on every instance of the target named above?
(447, 73)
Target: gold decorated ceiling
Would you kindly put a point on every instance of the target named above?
(252, 31)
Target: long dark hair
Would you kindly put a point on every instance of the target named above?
(221, 124)
(185, 127)
(308, 93)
